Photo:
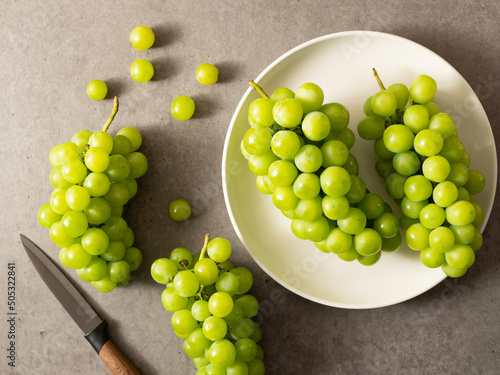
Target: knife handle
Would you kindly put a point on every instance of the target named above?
(112, 357)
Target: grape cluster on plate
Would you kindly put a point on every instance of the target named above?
(427, 171)
(212, 308)
(299, 149)
(93, 177)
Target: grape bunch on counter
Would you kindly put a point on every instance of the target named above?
(93, 177)
(299, 148)
(212, 310)
(427, 172)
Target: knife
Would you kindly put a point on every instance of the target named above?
(94, 328)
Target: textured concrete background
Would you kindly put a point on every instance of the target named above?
(51, 49)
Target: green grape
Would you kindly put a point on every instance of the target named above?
(398, 138)
(394, 185)
(464, 234)
(206, 271)
(97, 211)
(367, 107)
(460, 257)
(81, 272)
(57, 180)
(190, 352)
(460, 213)
(60, 154)
(46, 216)
(179, 209)
(186, 283)
(220, 304)
(443, 123)
(248, 305)
(392, 244)
(138, 164)
(101, 139)
(76, 256)
(452, 149)
(105, 285)
(183, 322)
(284, 198)
(416, 117)
(384, 103)
(118, 194)
(369, 260)
(171, 301)
(115, 227)
(200, 310)
(77, 197)
(285, 144)
(121, 145)
(431, 258)
(338, 241)
(417, 237)
(411, 208)
(311, 96)
(245, 279)
(334, 153)
(219, 249)
(97, 184)
(142, 70)
(259, 164)
(441, 239)
(59, 236)
(288, 112)
(257, 141)
(81, 139)
(260, 112)
(418, 188)
(308, 159)
(74, 171)
(142, 37)
(281, 93)
(316, 126)
(242, 329)
(197, 340)
(207, 74)
(466, 160)
(306, 186)
(118, 270)
(384, 168)
(335, 208)
(282, 173)
(261, 185)
(214, 328)
(371, 127)
(227, 282)
(445, 193)
(335, 181)
(475, 183)
(118, 168)
(74, 223)
(201, 363)
(237, 368)
(133, 256)
(406, 163)
(432, 216)
(452, 272)
(256, 367)
(299, 228)
(163, 270)
(97, 159)
(133, 135)
(310, 209)
(246, 349)
(132, 187)
(95, 241)
(337, 114)
(181, 257)
(381, 151)
(422, 89)
(346, 136)
(428, 142)
(116, 251)
(436, 168)
(354, 222)
(387, 225)
(221, 353)
(372, 205)
(225, 266)
(129, 238)
(479, 217)
(463, 194)
(367, 242)
(401, 92)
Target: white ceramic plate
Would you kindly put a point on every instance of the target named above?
(341, 65)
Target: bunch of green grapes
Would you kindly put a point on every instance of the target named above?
(212, 310)
(299, 148)
(427, 171)
(93, 177)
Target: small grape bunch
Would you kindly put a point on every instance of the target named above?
(93, 177)
(427, 172)
(212, 310)
(299, 148)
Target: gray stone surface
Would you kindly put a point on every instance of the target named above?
(51, 49)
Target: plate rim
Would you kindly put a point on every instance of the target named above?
(245, 96)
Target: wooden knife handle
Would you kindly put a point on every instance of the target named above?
(116, 362)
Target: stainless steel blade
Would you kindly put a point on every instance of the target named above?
(71, 299)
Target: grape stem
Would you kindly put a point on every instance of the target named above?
(379, 81)
(112, 116)
(259, 89)
(205, 246)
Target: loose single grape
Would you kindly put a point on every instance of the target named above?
(207, 74)
(179, 209)
(142, 37)
(182, 108)
(142, 70)
(97, 89)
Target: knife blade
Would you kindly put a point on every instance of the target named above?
(93, 327)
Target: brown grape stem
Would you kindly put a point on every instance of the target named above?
(379, 81)
(112, 116)
(259, 89)
(205, 246)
